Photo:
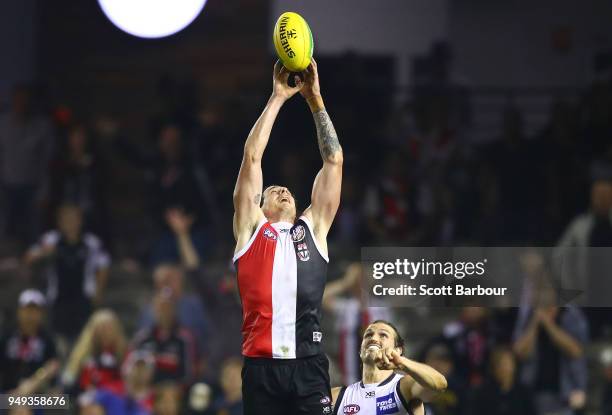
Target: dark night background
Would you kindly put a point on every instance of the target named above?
(462, 123)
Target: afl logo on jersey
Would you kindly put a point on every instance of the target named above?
(351, 409)
(269, 234)
(298, 233)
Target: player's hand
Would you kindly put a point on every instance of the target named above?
(387, 359)
(280, 87)
(310, 84)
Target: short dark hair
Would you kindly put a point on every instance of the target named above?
(399, 341)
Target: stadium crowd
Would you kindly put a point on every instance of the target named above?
(413, 177)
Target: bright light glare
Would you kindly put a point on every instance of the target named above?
(152, 18)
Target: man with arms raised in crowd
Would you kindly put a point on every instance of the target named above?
(281, 263)
(381, 390)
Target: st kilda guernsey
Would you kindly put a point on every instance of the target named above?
(281, 278)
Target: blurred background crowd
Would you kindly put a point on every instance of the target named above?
(117, 286)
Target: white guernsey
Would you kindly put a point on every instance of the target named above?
(381, 390)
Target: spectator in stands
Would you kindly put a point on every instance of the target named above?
(515, 184)
(76, 270)
(593, 228)
(190, 312)
(78, 176)
(453, 400)
(169, 170)
(182, 243)
(90, 407)
(168, 399)
(27, 355)
(590, 230)
(550, 342)
(230, 380)
(503, 394)
(24, 410)
(26, 146)
(219, 289)
(137, 397)
(172, 345)
(95, 361)
(388, 207)
(606, 363)
(176, 184)
(352, 315)
(470, 340)
(200, 399)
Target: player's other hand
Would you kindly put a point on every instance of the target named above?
(310, 84)
(280, 86)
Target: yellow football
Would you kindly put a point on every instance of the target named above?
(293, 41)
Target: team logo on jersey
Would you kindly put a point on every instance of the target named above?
(370, 394)
(386, 405)
(304, 255)
(269, 234)
(325, 400)
(298, 233)
(316, 337)
(351, 408)
(327, 409)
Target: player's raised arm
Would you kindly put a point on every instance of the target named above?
(247, 193)
(325, 197)
(423, 381)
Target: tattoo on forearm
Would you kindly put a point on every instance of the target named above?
(326, 134)
(257, 199)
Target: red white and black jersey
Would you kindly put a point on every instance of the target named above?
(281, 277)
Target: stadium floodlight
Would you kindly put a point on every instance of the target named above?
(152, 18)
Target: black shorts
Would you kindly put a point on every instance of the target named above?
(286, 387)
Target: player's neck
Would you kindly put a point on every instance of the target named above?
(372, 374)
(281, 218)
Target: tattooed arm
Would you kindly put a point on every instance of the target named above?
(248, 190)
(325, 197)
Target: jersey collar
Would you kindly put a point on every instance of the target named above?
(383, 383)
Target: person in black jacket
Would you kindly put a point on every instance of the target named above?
(502, 395)
(172, 345)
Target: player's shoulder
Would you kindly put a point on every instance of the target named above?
(305, 225)
(245, 237)
(337, 396)
(336, 391)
